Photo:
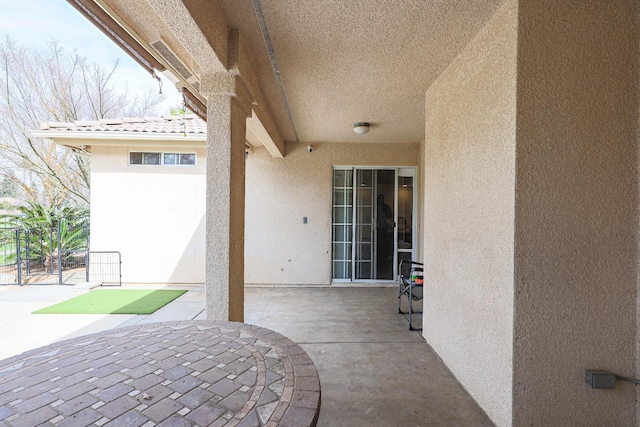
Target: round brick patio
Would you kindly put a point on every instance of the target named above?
(166, 374)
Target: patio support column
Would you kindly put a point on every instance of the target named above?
(228, 107)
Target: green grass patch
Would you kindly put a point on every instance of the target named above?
(114, 301)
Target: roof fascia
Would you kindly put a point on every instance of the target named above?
(75, 138)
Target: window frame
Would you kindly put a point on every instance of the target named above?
(179, 156)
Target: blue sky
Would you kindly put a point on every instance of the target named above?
(34, 23)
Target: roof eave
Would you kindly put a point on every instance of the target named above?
(97, 138)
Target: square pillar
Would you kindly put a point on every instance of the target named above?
(224, 283)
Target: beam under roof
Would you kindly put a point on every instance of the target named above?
(171, 35)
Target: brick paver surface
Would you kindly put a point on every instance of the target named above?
(190, 373)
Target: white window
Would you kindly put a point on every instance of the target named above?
(157, 159)
(179, 159)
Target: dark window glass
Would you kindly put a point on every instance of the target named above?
(187, 159)
(135, 158)
(151, 158)
(170, 158)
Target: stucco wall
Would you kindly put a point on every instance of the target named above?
(576, 210)
(469, 214)
(154, 218)
(154, 215)
(279, 248)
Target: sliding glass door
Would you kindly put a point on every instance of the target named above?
(367, 239)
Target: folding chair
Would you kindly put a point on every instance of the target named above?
(410, 284)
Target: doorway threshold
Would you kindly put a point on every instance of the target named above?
(377, 284)
(368, 284)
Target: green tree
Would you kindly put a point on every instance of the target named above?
(41, 225)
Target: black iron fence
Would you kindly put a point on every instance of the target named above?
(57, 256)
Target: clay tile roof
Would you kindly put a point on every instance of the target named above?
(190, 124)
(60, 125)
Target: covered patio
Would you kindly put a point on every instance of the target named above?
(515, 124)
(366, 358)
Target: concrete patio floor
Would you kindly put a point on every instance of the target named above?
(373, 370)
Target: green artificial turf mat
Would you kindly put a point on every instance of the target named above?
(114, 301)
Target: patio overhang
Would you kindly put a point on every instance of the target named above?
(111, 133)
(312, 71)
(170, 41)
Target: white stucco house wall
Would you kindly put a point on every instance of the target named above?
(148, 202)
(151, 213)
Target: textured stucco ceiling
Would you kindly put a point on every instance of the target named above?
(357, 60)
(341, 61)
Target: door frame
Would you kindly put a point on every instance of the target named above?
(409, 171)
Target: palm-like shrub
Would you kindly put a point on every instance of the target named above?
(48, 230)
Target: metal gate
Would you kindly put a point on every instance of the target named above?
(57, 256)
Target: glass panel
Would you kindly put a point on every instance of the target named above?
(341, 251)
(348, 178)
(187, 159)
(364, 178)
(342, 219)
(385, 182)
(363, 251)
(170, 158)
(405, 212)
(338, 270)
(341, 270)
(151, 158)
(341, 196)
(342, 215)
(364, 224)
(342, 178)
(363, 270)
(342, 233)
(348, 197)
(364, 196)
(135, 158)
(338, 196)
(364, 233)
(364, 215)
(401, 256)
(338, 178)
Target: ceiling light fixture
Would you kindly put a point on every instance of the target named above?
(361, 127)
